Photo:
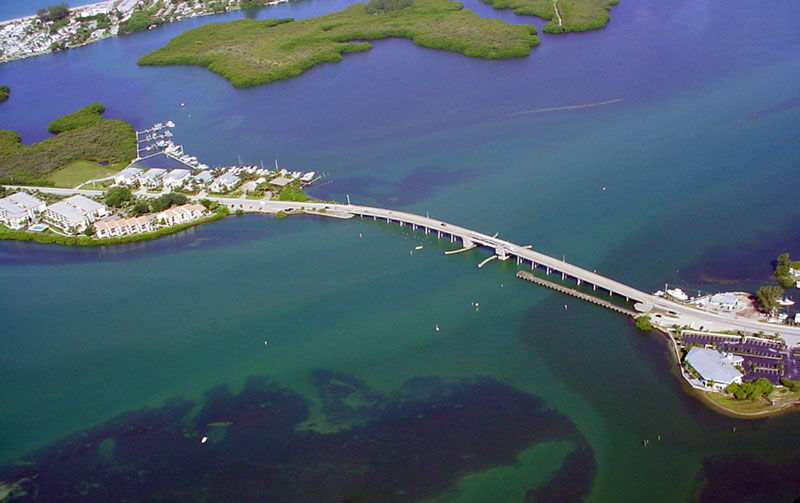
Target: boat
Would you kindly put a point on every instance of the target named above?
(437, 328)
(418, 247)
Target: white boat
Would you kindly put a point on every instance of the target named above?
(785, 302)
(418, 247)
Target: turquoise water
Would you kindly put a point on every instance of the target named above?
(699, 161)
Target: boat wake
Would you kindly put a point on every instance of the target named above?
(569, 107)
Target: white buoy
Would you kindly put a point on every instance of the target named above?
(437, 328)
(204, 440)
(604, 187)
(182, 104)
(266, 342)
(565, 307)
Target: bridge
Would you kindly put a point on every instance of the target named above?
(524, 256)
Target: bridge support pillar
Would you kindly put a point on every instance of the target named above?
(533, 265)
(439, 234)
(427, 230)
(547, 270)
(467, 242)
(594, 287)
(518, 260)
(579, 281)
(501, 253)
(413, 227)
(563, 276)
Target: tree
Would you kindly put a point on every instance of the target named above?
(54, 12)
(117, 196)
(89, 231)
(141, 207)
(644, 323)
(768, 296)
(165, 201)
(782, 274)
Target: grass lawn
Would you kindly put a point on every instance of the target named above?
(77, 172)
(576, 15)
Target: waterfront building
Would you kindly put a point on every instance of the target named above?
(724, 301)
(92, 210)
(224, 183)
(176, 178)
(12, 215)
(717, 369)
(204, 177)
(152, 177)
(181, 214)
(127, 176)
(123, 226)
(33, 206)
(280, 181)
(67, 217)
(19, 209)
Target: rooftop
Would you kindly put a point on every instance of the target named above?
(128, 173)
(714, 365)
(25, 200)
(12, 208)
(83, 203)
(177, 174)
(70, 213)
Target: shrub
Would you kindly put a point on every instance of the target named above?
(644, 323)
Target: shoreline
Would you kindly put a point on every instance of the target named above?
(103, 34)
(704, 395)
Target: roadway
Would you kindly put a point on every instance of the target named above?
(502, 248)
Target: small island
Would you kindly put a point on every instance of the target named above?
(5, 92)
(563, 16)
(250, 52)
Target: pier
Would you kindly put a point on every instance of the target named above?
(527, 276)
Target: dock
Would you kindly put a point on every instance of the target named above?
(527, 276)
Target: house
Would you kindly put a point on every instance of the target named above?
(127, 176)
(176, 178)
(203, 177)
(67, 217)
(181, 214)
(717, 369)
(91, 209)
(224, 183)
(280, 181)
(152, 177)
(12, 215)
(724, 301)
(123, 226)
(33, 206)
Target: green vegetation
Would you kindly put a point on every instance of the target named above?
(250, 52)
(768, 296)
(750, 390)
(51, 238)
(381, 6)
(117, 196)
(792, 385)
(644, 323)
(83, 136)
(782, 274)
(5, 92)
(140, 21)
(292, 193)
(78, 172)
(86, 116)
(161, 203)
(576, 15)
(54, 12)
(281, 214)
(250, 4)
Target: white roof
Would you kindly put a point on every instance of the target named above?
(128, 173)
(83, 203)
(153, 173)
(714, 365)
(25, 200)
(724, 298)
(71, 214)
(227, 178)
(204, 176)
(177, 174)
(12, 208)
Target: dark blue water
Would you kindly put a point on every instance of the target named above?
(700, 164)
